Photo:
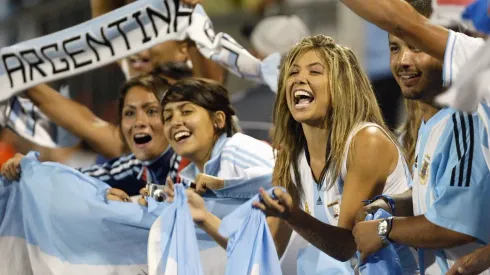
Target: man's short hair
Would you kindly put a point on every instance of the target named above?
(424, 7)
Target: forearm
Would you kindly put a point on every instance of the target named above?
(78, 119)
(419, 232)
(211, 225)
(404, 204)
(335, 241)
(203, 67)
(399, 18)
(100, 7)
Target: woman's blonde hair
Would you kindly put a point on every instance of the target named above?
(352, 101)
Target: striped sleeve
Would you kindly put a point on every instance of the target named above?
(119, 173)
(246, 165)
(460, 179)
(459, 49)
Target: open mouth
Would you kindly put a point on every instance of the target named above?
(142, 139)
(409, 79)
(181, 136)
(302, 98)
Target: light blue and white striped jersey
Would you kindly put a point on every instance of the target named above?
(451, 171)
(245, 164)
(451, 177)
(301, 257)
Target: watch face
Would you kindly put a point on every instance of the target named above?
(382, 227)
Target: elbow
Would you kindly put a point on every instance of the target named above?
(346, 251)
(345, 255)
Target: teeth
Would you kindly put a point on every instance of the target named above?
(409, 76)
(140, 135)
(178, 136)
(302, 93)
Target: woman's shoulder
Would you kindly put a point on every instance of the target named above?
(247, 149)
(373, 144)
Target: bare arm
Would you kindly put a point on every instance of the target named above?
(371, 159)
(103, 137)
(100, 7)
(400, 19)
(404, 204)
(428, 235)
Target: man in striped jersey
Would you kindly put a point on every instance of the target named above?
(450, 194)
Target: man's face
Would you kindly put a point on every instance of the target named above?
(146, 61)
(418, 74)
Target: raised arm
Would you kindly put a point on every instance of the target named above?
(103, 137)
(399, 18)
(100, 7)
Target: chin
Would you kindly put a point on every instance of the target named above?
(412, 94)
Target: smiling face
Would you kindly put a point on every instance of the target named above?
(307, 95)
(418, 74)
(190, 129)
(141, 124)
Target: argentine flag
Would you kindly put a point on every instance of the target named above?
(173, 248)
(55, 220)
(394, 259)
(251, 249)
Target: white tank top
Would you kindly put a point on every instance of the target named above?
(325, 206)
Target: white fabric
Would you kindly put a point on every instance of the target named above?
(278, 34)
(466, 70)
(448, 13)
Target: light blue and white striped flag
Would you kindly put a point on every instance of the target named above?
(394, 259)
(251, 249)
(173, 247)
(22, 117)
(55, 220)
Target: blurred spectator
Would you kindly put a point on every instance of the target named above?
(272, 34)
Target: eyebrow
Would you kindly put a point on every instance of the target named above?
(144, 105)
(310, 65)
(180, 106)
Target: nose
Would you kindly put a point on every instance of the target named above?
(176, 121)
(144, 54)
(405, 58)
(300, 78)
(141, 120)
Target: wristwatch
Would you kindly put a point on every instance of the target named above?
(384, 228)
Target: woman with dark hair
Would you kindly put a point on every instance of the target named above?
(227, 168)
(141, 132)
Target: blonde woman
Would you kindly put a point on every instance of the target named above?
(335, 152)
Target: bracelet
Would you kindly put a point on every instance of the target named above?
(389, 200)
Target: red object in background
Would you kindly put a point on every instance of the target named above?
(455, 2)
(6, 152)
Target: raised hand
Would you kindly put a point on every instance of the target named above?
(205, 182)
(280, 207)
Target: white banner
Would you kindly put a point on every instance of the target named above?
(95, 43)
